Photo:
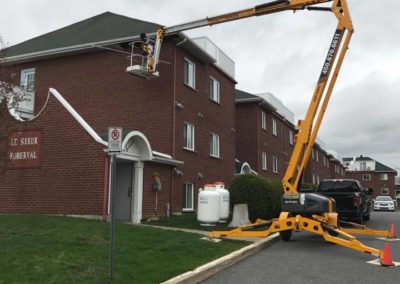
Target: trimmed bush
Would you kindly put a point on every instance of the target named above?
(262, 195)
(308, 187)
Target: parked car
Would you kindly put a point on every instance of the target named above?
(351, 198)
(384, 203)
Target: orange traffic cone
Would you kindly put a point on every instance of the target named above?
(392, 232)
(387, 256)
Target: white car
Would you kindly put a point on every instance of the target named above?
(384, 203)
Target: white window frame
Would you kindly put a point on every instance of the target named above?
(188, 187)
(214, 90)
(263, 120)
(28, 104)
(291, 137)
(189, 73)
(214, 145)
(384, 176)
(274, 128)
(363, 166)
(188, 136)
(274, 164)
(264, 161)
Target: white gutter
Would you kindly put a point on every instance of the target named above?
(78, 47)
(78, 118)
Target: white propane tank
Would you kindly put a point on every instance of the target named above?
(223, 202)
(208, 206)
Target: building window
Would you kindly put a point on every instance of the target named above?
(190, 74)
(384, 176)
(313, 178)
(275, 164)
(291, 140)
(363, 166)
(214, 89)
(385, 191)
(327, 163)
(274, 128)
(366, 177)
(316, 155)
(188, 136)
(27, 85)
(324, 160)
(263, 120)
(264, 161)
(214, 145)
(317, 179)
(188, 197)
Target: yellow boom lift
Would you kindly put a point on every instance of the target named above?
(300, 211)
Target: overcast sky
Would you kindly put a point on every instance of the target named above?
(281, 53)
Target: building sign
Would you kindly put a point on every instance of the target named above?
(24, 149)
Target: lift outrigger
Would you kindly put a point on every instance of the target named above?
(300, 211)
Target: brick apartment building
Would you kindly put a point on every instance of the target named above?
(182, 130)
(322, 165)
(373, 174)
(264, 137)
(178, 128)
(265, 134)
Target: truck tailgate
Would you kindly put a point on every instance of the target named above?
(344, 200)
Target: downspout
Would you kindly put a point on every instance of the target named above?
(173, 132)
(105, 189)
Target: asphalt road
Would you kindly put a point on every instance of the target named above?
(307, 258)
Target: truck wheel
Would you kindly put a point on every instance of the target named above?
(360, 218)
(286, 235)
(366, 217)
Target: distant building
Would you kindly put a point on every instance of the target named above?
(371, 173)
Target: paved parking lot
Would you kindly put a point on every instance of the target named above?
(309, 259)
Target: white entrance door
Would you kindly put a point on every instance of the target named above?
(123, 193)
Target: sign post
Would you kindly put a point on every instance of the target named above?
(114, 147)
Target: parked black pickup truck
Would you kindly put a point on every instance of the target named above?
(351, 198)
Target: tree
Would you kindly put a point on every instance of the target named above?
(9, 93)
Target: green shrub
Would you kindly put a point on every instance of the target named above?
(308, 187)
(262, 195)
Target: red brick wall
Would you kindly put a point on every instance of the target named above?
(247, 127)
(100, 90)
(252, 140)
(154, 203)
(70, 179)
(206, 116)
(375, 183)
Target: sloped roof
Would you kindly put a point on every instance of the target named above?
(382, 168)
(245, 97)
(103, 27)
(239, 95)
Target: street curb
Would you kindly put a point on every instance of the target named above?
(205, 271)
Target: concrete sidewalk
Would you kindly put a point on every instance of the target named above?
(205, 271)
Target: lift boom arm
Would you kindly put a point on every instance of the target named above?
(317, 216)
(308, 128)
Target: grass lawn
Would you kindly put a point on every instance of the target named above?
(187, 221)
(51, 249)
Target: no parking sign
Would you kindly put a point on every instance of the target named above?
(114, 139)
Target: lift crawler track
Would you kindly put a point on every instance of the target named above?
(314, 224)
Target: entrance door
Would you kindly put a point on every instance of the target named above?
(123, 193)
